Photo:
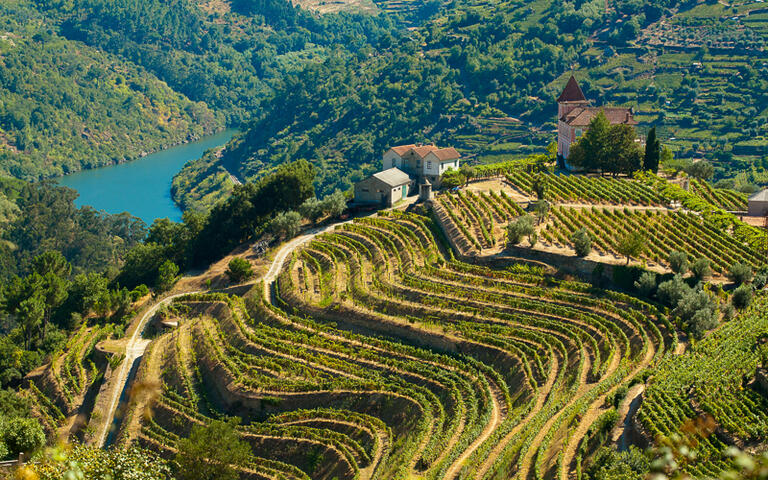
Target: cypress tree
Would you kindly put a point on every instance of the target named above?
(652, 152)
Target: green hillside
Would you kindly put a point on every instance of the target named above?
(65, 106)
(483, 77)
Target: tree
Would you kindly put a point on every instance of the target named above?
(50, 272)
(541, 207)
(740, 273)
(588, 153)
(166, 276)
(23, 435)
(646, 284)
(672, 291)
(452, 178)
(519, 228)
(30, 316)
(742, 297)
(607, 148)
(286, 224)
(631, 245)
(678, 262)
(702, 170)
(211, 452)
(623, 153)
(334, 204)
(540, 186)
(698, 312)
(239, 269)
(701, 269)
(468, 172)
(311, 209)
(652, 156)
(582, 242)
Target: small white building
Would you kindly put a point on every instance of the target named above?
(757, 204)
(384, 188)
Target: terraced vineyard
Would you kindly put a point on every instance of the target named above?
(665, 231)
(57, 390)
(711, 382)
(588, 189)
(385, 358)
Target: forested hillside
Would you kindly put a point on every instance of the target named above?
(484, 78)
(65, 106)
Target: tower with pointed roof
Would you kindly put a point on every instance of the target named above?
(574, 115)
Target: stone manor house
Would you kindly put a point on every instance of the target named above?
(574, 115)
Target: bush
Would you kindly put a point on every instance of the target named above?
(239, 269)
(646, 284)
(698, 312)
(672, 291)
(286, 224)
(23, 435)
(582, 242)
(519, 228)
(742, 297)
(211, 452)
(678, 262)
(139, 292)
(740, 273)
(701, 269)
(311, 209)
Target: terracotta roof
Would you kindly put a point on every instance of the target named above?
(394, 177)
(447, 154)
(572, 92)
(761, 196)
(423, 150)
(402, 149)
(581, 116)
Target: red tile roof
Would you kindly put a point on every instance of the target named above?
(447, 154)
(423, 150)
(572, 92)
(402, 149)
(580, 117)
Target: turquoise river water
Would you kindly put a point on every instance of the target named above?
(141, 187)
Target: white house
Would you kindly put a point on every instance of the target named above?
(384, 188)
(422, 161)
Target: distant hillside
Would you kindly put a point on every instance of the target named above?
(65, 106)
(485, 81)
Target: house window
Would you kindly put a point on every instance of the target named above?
(429, 165)
(579, 132)
(364, 189)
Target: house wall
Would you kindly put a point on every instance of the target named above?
(757, 209)
(392, 159)
(374, 191)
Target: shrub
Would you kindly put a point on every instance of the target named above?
(582, 242)
(239, 269)
(678, 262)
(334, 204)
(211, 452)
(701, 269)
(311, 209)
(740, 273)
(23, 435)
(646, 284)
(672, 291)
(286, 224)
(742, 297)
(698, 312)
(139, 292)
(519, 228)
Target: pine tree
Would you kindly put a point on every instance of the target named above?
(652, 152)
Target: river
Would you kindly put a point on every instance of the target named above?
(141, 187)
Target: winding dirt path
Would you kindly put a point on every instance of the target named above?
(134, 349)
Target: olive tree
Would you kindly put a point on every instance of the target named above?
(582, 242)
